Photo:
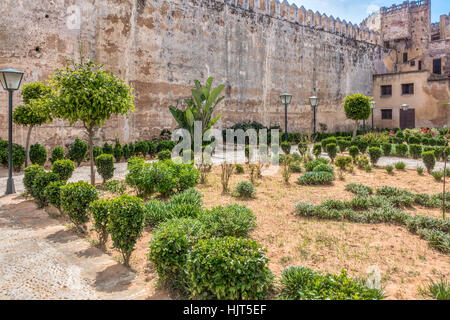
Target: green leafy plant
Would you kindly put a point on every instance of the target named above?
(75, 200)
(141, 148)
(228, 268)
(332, 151)
(295, 166)
(52, 193)
(387, 149)
(126, 222)
(107, 149)
(354, 152)
(239, 168)
(286, 147)
(420, 170)
(57, 153)
(415, 150)
(375, 155)
(18, 157)
(85, 92)
(164, 155)
(105, 166)
(429, 160)
(437, 175)
(342, 162)
(64, 168)
(439, 290)
(316, 178)
(77, 151)
(100, 210)
(38, 154)
(117, 152)
(244, 189)
(29, 175)
(317, 150)
(389, 168)
(400, 165)
(41, 180)
(115, 186)
(401, 150)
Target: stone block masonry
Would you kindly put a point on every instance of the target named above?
(258, 49)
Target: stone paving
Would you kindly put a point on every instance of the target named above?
(41, 259)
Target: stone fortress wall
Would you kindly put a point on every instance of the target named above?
(258, 49)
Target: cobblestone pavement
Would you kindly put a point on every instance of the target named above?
(40, 259)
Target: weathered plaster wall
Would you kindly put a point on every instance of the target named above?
(259, 49)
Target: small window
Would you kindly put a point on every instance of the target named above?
(420, 65)
(386, 114)
(437, 67)
(386, 90)
(408, 88)
(405, 57)
(412, 63)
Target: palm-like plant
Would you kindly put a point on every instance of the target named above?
(201, 107)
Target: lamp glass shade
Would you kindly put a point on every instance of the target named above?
(405, 107)
(314, 101)
(373, 104)
(286, 98)
(11, 79)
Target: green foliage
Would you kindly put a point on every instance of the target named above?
(438, 290)
(415, 150)
(78, 150)
(302, 283)
(52, 193)
(165, 145)
(420, 170)
(429, 160)
(286, 147)
(38, 154)
(331, 150)
(310, 165)
(362, 145)
(362, 161)
(164, 155)
(126, 152)
(375, 155)
(169, 248)
(115, 186)
(389, 168)
(29, 175)
(316, 178)
(357, 107)
(34, 112)
(295, 166)
(302, 148)
(75, 199)
(437, 175)
(359, 189)
(97, 151)
(233, 221)
(400, 165)
(126, 222)
(387, 149)
(239, 168)
(105, 166)
(64, 168)
(414, 140)
(141, 148)
(40, 182)
(117, 152)
(18, 157)
(323, 168)
(100, 210)
(317, 150)
(58, 153)
(107, 149)
(354, 152)
(228, 268)
(343, 144)
(244, 189)
(401, 150)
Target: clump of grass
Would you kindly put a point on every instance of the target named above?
(420, 170)
(368, 168)
(438, 175)
(389, 169)
(438, 290)
(400, 166)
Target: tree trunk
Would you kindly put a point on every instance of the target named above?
(91, 153)
(355, 130)
(27, 146)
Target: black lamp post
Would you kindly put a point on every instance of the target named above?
(286, 99)
(314, 101)
(373, 104)
(10, 80)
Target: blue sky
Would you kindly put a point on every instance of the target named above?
(357, 10)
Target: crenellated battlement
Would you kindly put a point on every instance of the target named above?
(308, 18)
(406, 5)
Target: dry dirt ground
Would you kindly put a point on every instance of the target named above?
(407, 263)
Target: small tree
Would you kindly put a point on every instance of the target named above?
(357, 107)
(86, 92)
(35, 111)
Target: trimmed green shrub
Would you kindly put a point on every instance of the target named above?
(362, 145)
(286, 147)
(239, 168)
(52, 193)
(164, 155)
(42, 180)
(141, 148)
(331, 151)
(244, 189)
(105, 166)
(354, 152)
(415, 150)
(401, 150)
(327, 141)
(100, 210)
(118, 151)
(75, 200)
(18, 157)
(387, 149)
(317, 150)
(64, 168)
(375, 155)
(169, 248)
(57, 153)
(126, 222)
(152, 147)
(400, 165)
(414, 140)
(165, 145)
(295, 166)
(437, 175)
(303, 148)
(316, 178)
(78, 150)
(38, 154)
(439, 153)
(97, 151)
(228, 269)
(30, 174)
(126, 152)
(233, 221)
(310, 165)
(107, 149)
(343, 145)
(302, 283)
(323, 168)
(362, 161)
(429, 160)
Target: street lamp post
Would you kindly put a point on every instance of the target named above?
(314, 101)
(10, 80)
(286, 99)
(373, 104)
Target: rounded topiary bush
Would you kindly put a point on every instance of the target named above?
(244, 189)
(18, 157)
(97, 151)
(30, 174)
(317, 150)
(105, 166)
(375, 155)
(107, 149)
(100, 210)
(286, 147)
(233, 221)
(75, 200)
(414, 140)
(401, 150)
(415, 150)
(164, 155)
(64, 168)
(387, 149)
(141, 148)
(228, 269)
(40, 182)
(57, 153)
(354, 152)
(169, 247)
(38, 154)
(323, 168)
(429, 160)
(331, 150)
(303, 147)
(78, 150)
(316, 178)
(52, 193)
(126, 223)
